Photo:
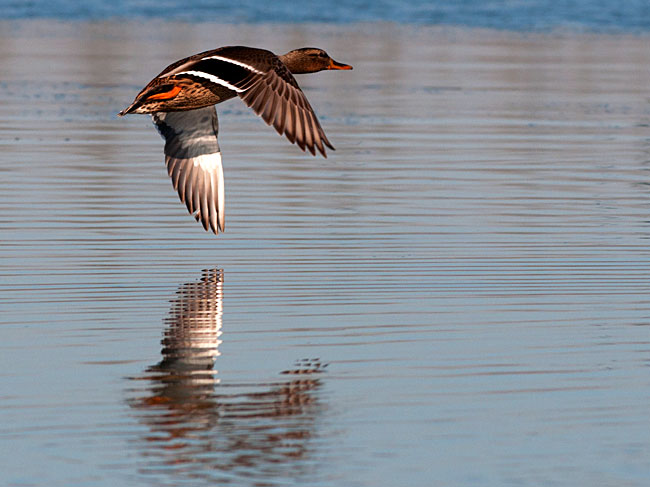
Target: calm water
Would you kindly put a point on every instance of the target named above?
(458, 296)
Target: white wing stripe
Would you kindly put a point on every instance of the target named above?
(214, 79)
(238, 63)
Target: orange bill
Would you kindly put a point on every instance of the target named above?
(337, 65)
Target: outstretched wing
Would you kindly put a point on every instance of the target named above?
(266, 85)
(193, 162)
(276, 97)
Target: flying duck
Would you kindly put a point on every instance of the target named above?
(181, 101)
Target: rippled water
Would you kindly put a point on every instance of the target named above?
(459, 295)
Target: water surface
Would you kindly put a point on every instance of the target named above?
(458, 295)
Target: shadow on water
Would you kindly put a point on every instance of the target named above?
(198, 427)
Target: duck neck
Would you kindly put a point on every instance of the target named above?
(295, 61)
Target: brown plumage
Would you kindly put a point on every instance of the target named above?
(261, 79)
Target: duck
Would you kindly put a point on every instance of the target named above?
(182, 102)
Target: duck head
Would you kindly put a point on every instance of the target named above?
(310, 60)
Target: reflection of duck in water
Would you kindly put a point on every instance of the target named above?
(203, 429)
(191, 340)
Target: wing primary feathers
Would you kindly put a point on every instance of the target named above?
(281, 116)
(327, 142)
(172, 170)
(289, 126)
(274, 95)
(309, 132)
(309, 141)
(300, 137)
(259, 102)
(316, 135)
(203, 196)
(212, 203)
(189, 197)
(182, 180)
(193, 162)
(196, 194)
(271, 107)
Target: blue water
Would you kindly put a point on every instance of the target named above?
(459, 296)
(518, 15)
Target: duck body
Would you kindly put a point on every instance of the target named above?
(181, 100)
